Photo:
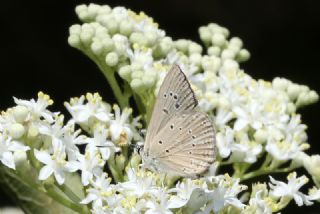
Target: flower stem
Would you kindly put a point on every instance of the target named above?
(50, 191)
(265, 171)
(71, 195)
(114, 170)
(109, 74)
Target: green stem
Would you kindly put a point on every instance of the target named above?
(265, 171)
(114, 170)
(50, 191)
(140, 106)
(71, 195)
(109, 74)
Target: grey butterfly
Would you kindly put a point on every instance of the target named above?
(180, 139)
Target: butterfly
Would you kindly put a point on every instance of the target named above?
(180, 139)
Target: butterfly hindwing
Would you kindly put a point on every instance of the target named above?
(175, 95)
(185, 145)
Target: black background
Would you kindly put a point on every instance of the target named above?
(282, 37)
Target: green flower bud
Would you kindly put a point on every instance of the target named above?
(137, 85)
(225, 32)
(75, 29)
(291, 108)
(33, 132)
(125, 72)
(294, 91)
(137, 74)
(120, 161)
(236, 41)
(108, 44)
(104, 9)
(138, 38)
(136, 66)
(243, 55)
(112, 59)
(134, 161)
(182, 45)
(16, 130)
(80, 8)
(196, 58)
(166, 46)
(20, 113)
(113, 26)
(151, 38)
(205, 35)
(93, 9)
(313, 97)
(97, 47)
(82, 12)
(86, 37)
(213, 27)
(214, 51)
(227, 54)
(149, 79)
(20, 158)
(218, 39)
(126, 27)
(194, 48)
(280, 83)
(261, 136)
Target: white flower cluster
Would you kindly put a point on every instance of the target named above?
(252, 117)
(30, 128)
(143, 192)
(29, 125)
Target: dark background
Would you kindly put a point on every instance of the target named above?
(282, 36)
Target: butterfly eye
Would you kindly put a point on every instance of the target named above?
(190, 131)
(171, 126)
(170, 94)
(160, 142)
(177, 105)
(193, 145)
(193, 137)
(165, 95)
(175, 97)
(167, 151)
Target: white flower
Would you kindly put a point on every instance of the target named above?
(137, 185)
(183, 192)
(160, 203)
(291, 190)
(223, 195)
(7, 148)
(55, 163)
(66, 134)
(225, 141)
(250, 115)
(38, 108)
(259, 205)
(246, 150)
(101, 188)
(93, 109)
(121, 130)
(91, 164)
(284, 150)
(223, 116)
(100, 142)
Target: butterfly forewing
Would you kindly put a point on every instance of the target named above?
(175, 96)
(185, 145)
